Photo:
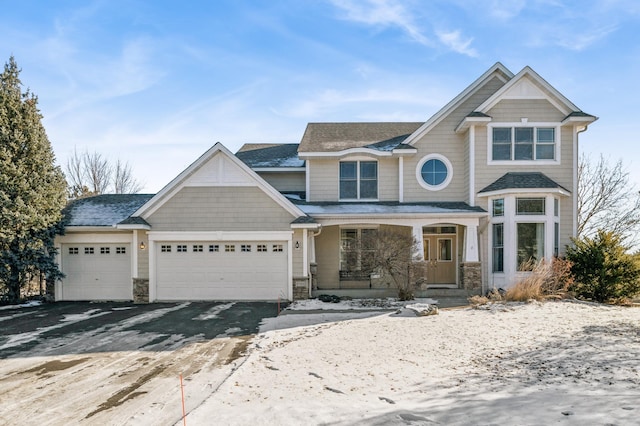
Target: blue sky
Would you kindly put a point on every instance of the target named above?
(157, 83)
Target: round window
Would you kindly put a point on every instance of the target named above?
(434, 172)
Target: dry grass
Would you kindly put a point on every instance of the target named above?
(546, 280)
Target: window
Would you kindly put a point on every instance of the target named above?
(556, 239)
(529, 206)
(498, 247)
(498, 207)
(556, 207)
(197, 248)
(105, 250)
(530, 238)
(181, 248)
(277, 248)
(358, 180)
(357, 249)
(88, 250)
(434, 172)
(73, 250)
(246, 248)
(214, 248)
(165, 248)
(523, 143)
(261, 248)
(444, 250)
(229, 248)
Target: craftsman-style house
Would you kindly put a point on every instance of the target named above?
(485, 185)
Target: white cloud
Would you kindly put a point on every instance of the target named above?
(385, 13)
(505, 9)
(454, 41)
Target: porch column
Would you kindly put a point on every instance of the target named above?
(417, 235)
(471, 244)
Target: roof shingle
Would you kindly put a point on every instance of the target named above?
(522, 180)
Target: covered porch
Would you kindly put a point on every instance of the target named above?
(447, 249)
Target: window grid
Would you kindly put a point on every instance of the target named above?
(88, 250)
(261, 248)
(181, 248)
(73, 250)
(358, 180)
(105, 250)
(121, 250)
(165, 248)
(277, 248)
(197, 248)
(214, 248)
(229, 248)
(245, 248)
(523, 143)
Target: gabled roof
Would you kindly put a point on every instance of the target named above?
(497, 70)
(529, 84)
(523, 180)
(228, 170)
(270, 155)
(104, 210)
(337, 137)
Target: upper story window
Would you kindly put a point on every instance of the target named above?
(358, 180)
(523, 143)
(434, 172)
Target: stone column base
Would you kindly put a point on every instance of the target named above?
(140, 290)
(300, 288)
(471, 275)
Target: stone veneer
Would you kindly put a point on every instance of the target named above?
(300, 288)
(140, 290)
(471, 275)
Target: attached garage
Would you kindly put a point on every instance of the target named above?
(221, 270)
(96, 271)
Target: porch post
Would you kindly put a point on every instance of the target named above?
(417, 235)
(471, 244)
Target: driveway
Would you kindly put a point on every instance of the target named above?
(118, 363)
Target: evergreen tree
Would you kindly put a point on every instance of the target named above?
(32, 189)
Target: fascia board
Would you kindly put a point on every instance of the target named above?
(525, 191)
(455, 102)
(350, 151)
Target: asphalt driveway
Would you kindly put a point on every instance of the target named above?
(118, 363)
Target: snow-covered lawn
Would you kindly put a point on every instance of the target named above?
(556, 362)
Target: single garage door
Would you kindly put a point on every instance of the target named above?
(255, 270)
(96, 272)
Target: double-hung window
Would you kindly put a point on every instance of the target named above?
(523, 143)
(358, 180)
(357, 250)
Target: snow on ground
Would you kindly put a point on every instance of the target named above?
(557, 362)
(353, 304)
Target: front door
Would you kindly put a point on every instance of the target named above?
(440, 253)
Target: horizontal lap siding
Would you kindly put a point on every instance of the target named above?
(143, 256)
(285, 181)
(535, 110)
(328, 257)
(324, 176)
(443, 140)
(235, 208)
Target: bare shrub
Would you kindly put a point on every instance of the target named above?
(478, 300)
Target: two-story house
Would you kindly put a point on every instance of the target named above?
(484, 186)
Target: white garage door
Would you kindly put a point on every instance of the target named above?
(96, 272)
(255, 270)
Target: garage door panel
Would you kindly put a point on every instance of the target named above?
(221, 275)
(103, 273)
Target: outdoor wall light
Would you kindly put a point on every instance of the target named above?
(142, 246)
(297, 244)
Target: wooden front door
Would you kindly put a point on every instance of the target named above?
(440, 253)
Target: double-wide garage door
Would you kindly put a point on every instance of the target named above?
(242, 270)
(96, 271)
